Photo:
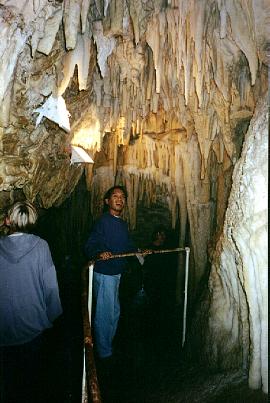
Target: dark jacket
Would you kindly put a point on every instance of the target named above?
(29, 296)
(110, 234)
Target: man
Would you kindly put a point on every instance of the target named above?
(109, 236)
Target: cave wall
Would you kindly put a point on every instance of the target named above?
(159, 93)
(238, 284)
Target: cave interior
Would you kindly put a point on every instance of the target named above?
(169, 99)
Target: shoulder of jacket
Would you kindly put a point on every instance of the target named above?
(40, 241)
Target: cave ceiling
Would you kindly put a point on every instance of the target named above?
(159, 93)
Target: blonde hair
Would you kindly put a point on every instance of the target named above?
(22, 216)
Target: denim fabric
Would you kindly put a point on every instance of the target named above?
(107, 311)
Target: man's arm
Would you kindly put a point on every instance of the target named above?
(94, 247)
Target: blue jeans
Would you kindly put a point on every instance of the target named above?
(107, 311)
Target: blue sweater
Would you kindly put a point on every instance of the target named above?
(110, 234)
(29, 296)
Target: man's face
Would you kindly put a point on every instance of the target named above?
(116, 202)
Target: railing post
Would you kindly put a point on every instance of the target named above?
(90, 384)
(185, 300)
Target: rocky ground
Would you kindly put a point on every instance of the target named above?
(155, 371)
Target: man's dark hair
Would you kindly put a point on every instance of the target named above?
(110, 192)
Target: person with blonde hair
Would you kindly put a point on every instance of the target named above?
(29, 303)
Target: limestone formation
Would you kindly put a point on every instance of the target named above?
(238, 280)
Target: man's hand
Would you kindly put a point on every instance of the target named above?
(104, 255)
(144, 252)
(141, 253)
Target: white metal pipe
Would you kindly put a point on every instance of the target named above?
(90, 288)
(186, 292)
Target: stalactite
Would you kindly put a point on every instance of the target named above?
(139, 12)
(98, 188)
(187, 61)
(12, 41)
(98, 89)
(198, 28)
(181, 193)
(153, 40)
(84, 12)
(242, 30)
(46, 42)
(71, 18)
(150, 75)
(114, 11)
(131, 182)
(197, 196)
(105, 46)
(80, 56)
(202, 126)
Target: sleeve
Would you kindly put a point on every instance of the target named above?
(51, 290)
(95, 243)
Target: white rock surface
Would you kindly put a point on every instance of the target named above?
(239, 278)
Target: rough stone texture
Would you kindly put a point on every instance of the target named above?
(238, 315)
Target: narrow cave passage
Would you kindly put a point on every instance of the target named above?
(150, 364)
